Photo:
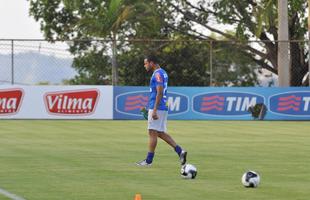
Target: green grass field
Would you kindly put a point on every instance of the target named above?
(79, 160)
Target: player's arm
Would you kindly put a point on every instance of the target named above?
(159, 94)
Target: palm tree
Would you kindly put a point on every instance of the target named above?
(107, 24)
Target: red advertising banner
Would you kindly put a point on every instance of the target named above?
(10, 101)
(78, 102)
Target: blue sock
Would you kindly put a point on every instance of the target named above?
(149, 158)
(178, 149)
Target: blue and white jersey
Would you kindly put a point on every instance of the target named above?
(159, 78)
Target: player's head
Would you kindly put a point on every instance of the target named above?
(150, 62)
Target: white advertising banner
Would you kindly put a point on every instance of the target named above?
(56, 102)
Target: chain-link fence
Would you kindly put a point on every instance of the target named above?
(188, 62)
(29, 62)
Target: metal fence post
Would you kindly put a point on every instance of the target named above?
(309, 41)
(211, 67)
(12, 61)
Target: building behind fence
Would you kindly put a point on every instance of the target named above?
(189, 63)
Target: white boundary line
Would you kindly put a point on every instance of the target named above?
(10, 195)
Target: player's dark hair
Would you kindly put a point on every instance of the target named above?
(152, 58)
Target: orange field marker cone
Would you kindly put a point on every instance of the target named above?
(138, 197)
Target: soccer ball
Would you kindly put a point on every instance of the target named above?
(188, 171)
(250, 179)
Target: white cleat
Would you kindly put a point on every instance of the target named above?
(183, 155)
(143, 163)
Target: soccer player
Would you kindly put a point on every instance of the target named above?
(158, 112)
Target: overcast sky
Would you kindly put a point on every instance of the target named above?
(15, 22)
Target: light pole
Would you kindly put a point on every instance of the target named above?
(283, 45)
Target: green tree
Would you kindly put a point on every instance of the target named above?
(188, 63)
(104, 21)
(250, 20)
(186, 59)
(91, 69)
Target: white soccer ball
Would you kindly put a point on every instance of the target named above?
(188, 171)
(250, 179)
